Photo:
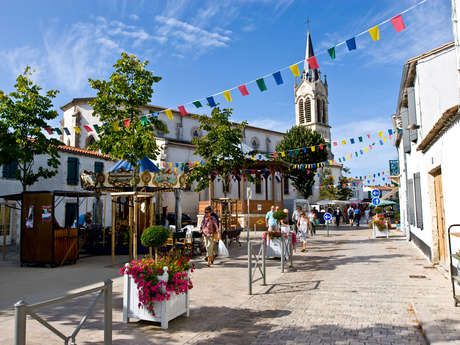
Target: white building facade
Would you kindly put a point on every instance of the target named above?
(428, 139)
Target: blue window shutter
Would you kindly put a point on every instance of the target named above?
(9, 170)
(72, 170)
(98, 167)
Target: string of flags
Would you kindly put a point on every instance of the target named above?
(396, 21)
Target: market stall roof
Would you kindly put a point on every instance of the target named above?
(332, 202)
(384, 203)
(145, 164)
(70, 194)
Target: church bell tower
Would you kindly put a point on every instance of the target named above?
(311, 98)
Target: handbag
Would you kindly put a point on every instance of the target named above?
(222, 250)
(216, 236)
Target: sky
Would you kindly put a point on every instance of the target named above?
(202, 47)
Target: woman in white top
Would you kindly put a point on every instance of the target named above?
(302, 234)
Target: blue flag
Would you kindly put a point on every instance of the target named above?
(211, 101)
(351, 44)
(278, 78)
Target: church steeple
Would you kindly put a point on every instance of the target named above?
(309, 52)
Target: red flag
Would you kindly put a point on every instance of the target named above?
(244, 90)
(182, 110)
(127, 122)
(312, 62)
(321, 146)
(49, 130)
(87, 128)
(334, 143)
(369, 136)
(398, 23)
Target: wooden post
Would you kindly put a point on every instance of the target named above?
(211, 190)
(282, 188)
(273, 187)
(130, 225)
(152, 211)
(4, 231)
(114, 215)
(135, 225)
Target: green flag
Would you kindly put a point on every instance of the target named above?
(197, 104)
(331, 52)
(261, 84)
(144, 121)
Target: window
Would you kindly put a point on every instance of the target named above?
(196, 133)
(301, 112)
(98, 167)
(308, 110)
(418, 201)
(89, 141)
(410, 202)
(319, 112)
(9, 170)
(258, 185)
(70, 214)
(325, 112)
(226, 190)
(255, 143)
(286, 185)
(72, 170)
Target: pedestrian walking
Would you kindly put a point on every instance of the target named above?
(302, 226)
(367, 212)
(209, 228)
(295, 217)
(350, 214)
(270, 221)
(357, 216)
(313, 216)
(337, 215)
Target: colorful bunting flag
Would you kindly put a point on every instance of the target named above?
(295, 70)
(398, 23)
(244, 90)
(96, 128)
(344, 142)
(312, 149)
(77, 130)
(211, 101)
(360, 139)
(331, 52)
(352, 141)
(278, 78)
(66, 131)
(312, 62)
(351, 44)
(390, 132)
(380, 134)
(261, 84)
(374, 32)
(127, 122)
(182, 110)
(49, 130)
(58, 131)
(197, 104)
(144, 121)
(87, 128)
(228, 96)
(169, 114)
(335, 143)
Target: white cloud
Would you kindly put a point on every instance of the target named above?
(15, 60)
(274, 125)
(134, 17)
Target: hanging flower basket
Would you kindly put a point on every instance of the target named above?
(156, 290)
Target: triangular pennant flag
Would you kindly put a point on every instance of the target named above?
(49, 130)
(380, 134)
(374, 32)
(352, 141)
(312, 62)
(169, 114)
(351, 44)
(261, 84)
(97, 128)
(321, 146)
(398, 23)
(127, 122)
(244, 90)
(197, 104)
(87, 128)
(312, 149)
(182, 110)
(360, 139)
(66, 131)
(144, 121)
(211, 101)
(390, 132)
(295, 70)
(278, 78)
(344, 142)
(228, 96)
(334, 143)
(77, 130)
(331, 52)
(57, 130)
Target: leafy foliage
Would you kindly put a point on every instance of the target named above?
(219, 148)
(23, 114)
(299, 137)
(328, 190)
(279, 215)
(343, 191)
(120, 98)
(154, 236)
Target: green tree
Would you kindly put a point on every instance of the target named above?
(23, 114)
(299, 137)
(328, 189)
(344, 192)
(220, 149)
(126, 133)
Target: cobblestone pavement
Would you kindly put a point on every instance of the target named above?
(347, 289)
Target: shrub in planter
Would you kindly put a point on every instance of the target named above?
(155, 236)
(378, 210)
(379, 223)
(279, 215)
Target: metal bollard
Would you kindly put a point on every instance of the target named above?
(282, 254)
(108, 312)
(20, 323)
(264, 248)
(250, 266)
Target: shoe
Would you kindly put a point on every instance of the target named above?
(205, 258)
(212, 259)
(209, 262)
(303, 250)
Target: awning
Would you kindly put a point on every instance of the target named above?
(145, 164)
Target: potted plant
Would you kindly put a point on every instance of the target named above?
(380, 225)
(154, 237)
(156, 290)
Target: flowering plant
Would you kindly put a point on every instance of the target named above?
(274, 234)
(150, 289)
(379, 222)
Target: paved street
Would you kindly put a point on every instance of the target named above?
(347, 289)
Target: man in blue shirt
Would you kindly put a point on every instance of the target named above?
(270, 221)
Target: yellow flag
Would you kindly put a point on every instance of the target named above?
(384, 139)
(312, 149)
(283, 154)
(366, 149)
(169, 114)
(295, 70)
(77, 130)
(170, 164)
(380, 134)
(228, 96)
(115, 126)
(374, 33)
(344, 142)
(330, 162)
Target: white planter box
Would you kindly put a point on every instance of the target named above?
(377, 233)
(164, 311)
(273, 249)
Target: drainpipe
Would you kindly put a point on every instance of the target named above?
(456, 32)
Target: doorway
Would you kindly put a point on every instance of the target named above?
(5, 224)
(440, 223)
